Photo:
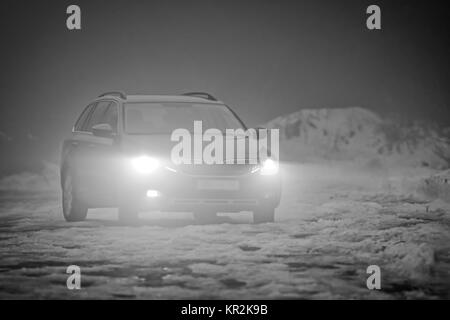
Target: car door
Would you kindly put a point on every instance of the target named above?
(72, 158)
(105, 157)
(96, 156)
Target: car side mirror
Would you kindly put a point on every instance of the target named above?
(103, 130)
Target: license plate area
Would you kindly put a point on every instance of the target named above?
(217, 184)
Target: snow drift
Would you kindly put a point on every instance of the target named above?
(355, 133)
(437, 186)
(45, 180)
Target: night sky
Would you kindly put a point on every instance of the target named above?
(263, 58)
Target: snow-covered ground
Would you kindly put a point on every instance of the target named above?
(333, 222)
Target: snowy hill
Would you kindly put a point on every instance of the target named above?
(358, 134)
(437, 186)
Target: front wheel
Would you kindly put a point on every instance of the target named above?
(73, 208)
(264, 215)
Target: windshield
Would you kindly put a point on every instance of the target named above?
(165, 117)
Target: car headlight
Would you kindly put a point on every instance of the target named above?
(145, 164)
(269, 167)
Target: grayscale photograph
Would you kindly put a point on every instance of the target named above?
(209, 151)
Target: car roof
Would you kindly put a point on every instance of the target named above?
(160, 98)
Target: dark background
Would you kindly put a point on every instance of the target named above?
(263, 58)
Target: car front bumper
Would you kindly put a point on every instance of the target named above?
(178, 191)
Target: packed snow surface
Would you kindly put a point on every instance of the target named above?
(334, 221)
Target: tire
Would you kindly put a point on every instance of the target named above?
(205, 216)
(128, 214)
(264, 215)
(73, 208)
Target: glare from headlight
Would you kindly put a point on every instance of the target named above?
(153, 193)
(269, 167)
(145, 164)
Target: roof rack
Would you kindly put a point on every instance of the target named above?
(203, 95)
(114, 93)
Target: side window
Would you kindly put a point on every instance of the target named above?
(82, 118)
(111, 116)
(97, 115)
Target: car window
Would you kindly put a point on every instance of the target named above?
(111, 116)
(82, 119)
(165, 117)
(97, 115)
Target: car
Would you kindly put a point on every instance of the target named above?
(118, 155)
